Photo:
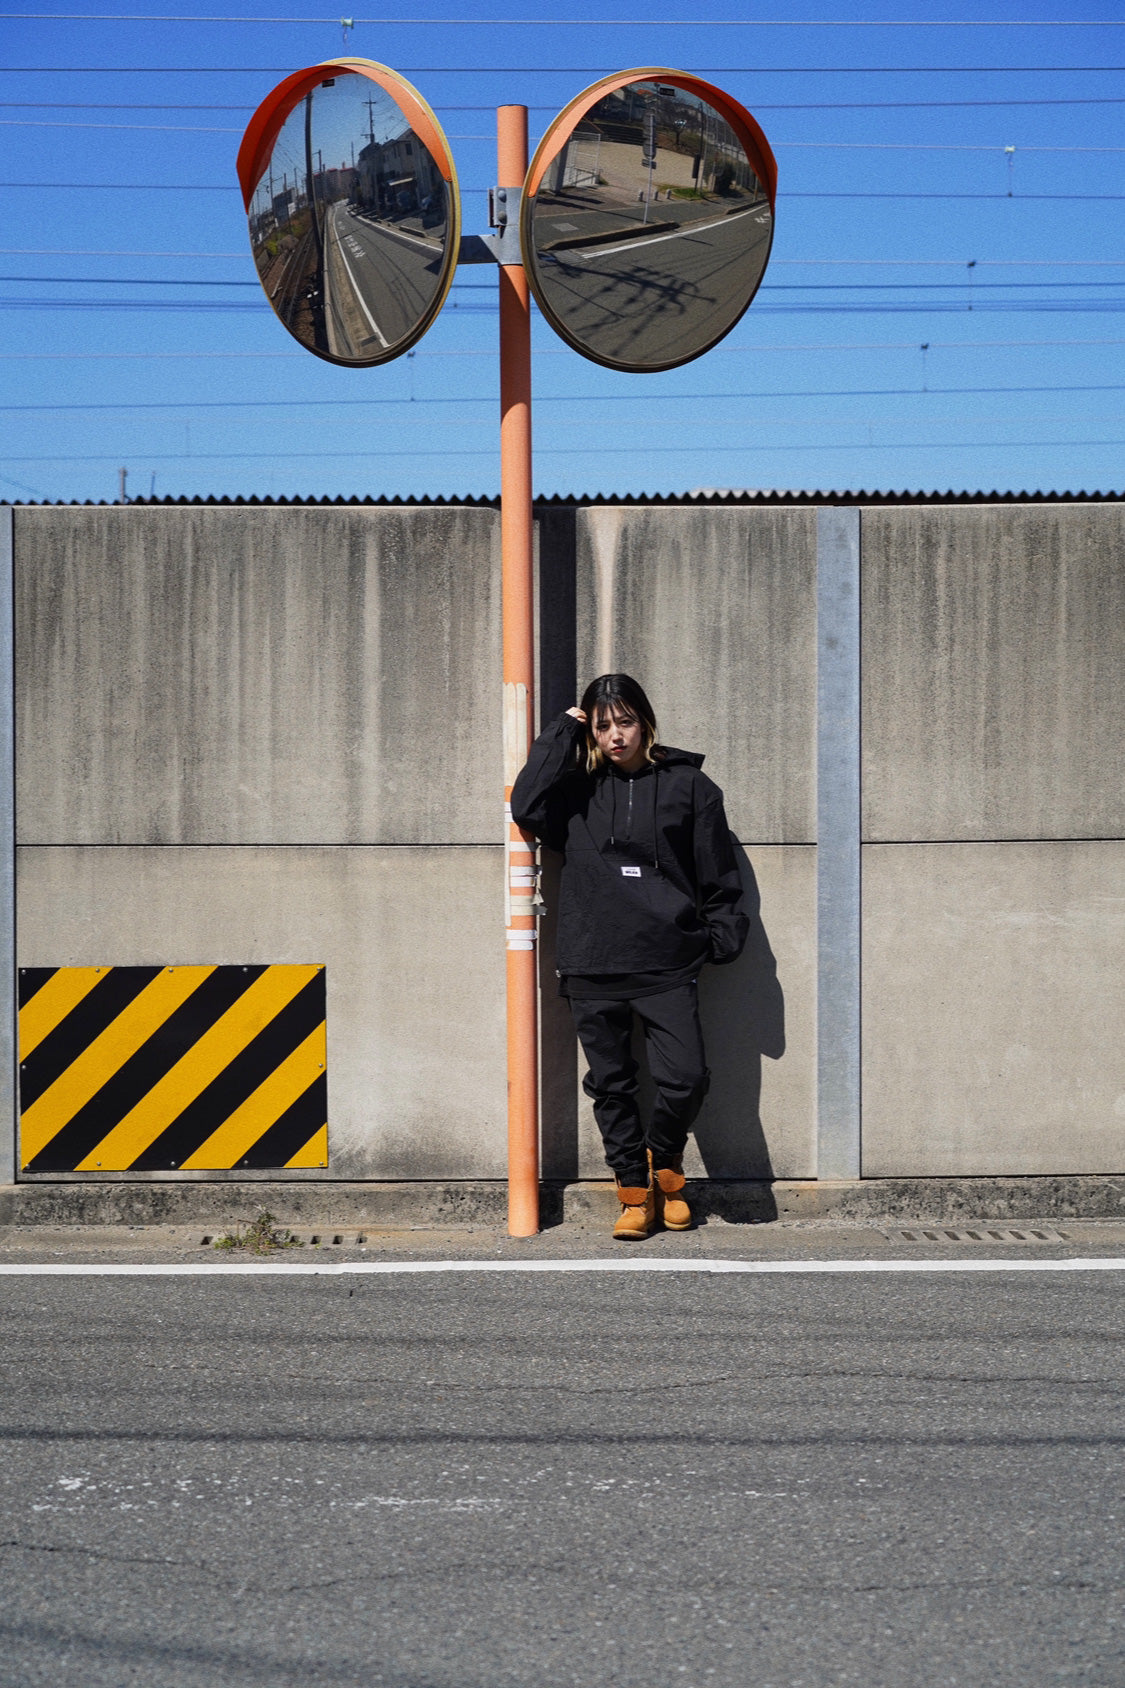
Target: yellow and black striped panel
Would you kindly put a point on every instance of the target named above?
(158, 1069)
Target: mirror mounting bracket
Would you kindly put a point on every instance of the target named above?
(503, 247)
(477, 249)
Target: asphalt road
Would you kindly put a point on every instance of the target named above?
(390, 277)
(577, 1479)
(651, 298)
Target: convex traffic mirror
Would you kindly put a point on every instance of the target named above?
(355, 217)
(647, 218)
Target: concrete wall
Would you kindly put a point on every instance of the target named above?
(993, 655)
(274, 734)
(994, 1004)
(265, 676)
(414, 972)
(714, 610)
(993, 820)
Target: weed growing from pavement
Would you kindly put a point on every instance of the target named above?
(261, 1236)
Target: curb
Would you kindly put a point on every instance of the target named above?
(441, 1203)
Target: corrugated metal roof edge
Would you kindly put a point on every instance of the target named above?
(574, 501)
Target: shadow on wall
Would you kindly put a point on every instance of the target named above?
(743, 1011)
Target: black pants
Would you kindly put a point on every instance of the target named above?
(674, 1046)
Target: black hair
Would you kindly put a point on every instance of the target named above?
(610, 692)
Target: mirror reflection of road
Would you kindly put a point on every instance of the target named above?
(650, 298)
(381, 281)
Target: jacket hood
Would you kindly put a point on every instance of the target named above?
(667, 757)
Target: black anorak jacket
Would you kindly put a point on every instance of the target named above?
(649, 880)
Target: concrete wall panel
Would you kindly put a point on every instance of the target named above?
(993, 655)
(993, 1007)
(258, 675)
(413, 944)
(714, 611)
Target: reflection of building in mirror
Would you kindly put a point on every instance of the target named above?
(577, 163)
(649, 142)
(351, 253)
(396, 178)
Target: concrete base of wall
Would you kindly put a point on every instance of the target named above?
(484, 1202)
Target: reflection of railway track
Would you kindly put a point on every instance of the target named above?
(290, 299)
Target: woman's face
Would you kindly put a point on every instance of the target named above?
(619, 736)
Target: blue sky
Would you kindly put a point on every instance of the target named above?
(938, 313)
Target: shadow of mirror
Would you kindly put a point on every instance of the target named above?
(353, 219)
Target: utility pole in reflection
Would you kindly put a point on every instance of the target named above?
(311, 183)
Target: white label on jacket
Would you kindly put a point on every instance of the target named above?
(631, 872)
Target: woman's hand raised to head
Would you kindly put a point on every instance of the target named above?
(579, 714)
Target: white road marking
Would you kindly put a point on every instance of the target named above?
(583, 255)
(379, 335)
(433, 247)
(383, 1268)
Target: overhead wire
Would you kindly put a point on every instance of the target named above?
(885, 307)
(452, 135)
(593, 70)
(775, 263)
(599, 451)
(584, 23)
(546, 398)
(231, 187)
(973, 287)
(580, 23)
(560, 351)
(760, 106)
(866, 287)
(926, 307)
(822, 146)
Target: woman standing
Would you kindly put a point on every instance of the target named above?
(650, 892)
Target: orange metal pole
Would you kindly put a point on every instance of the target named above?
(517, 615)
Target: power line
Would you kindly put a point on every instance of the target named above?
(972, 287)
(884, 307)
(599, 70)
(583, 23)
(117, 252)
(546, 398)
(453, 135)
(230, 187)
(122, 105)
(921, 146)
(1014, 199)
(825, 146)
(599, 451)
(177, 187)
(776, 263)
(800, 105)
(559, 351)
(146, 128)
(820, 146)
(883, 419)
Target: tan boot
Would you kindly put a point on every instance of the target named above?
(672, 1210)
(638, 1212)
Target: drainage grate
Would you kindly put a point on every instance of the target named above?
(976, 1234)
(312, 1239)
